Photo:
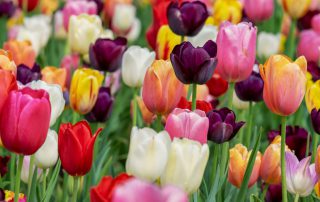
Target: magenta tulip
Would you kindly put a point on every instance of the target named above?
(260, 10)
(236, 51)
(184, 123)
(24, 120)
(309, 45)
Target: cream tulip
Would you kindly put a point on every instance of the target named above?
(208, 32)
(267, 44)
(47, 155)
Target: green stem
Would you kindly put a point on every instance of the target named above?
(308, 145)
(290, 44)
(75, 116)
(214, 163)
(264, 193)
(249, 127)
(65, 187)
(17, 179)
(296, 198)
(224, 157)
(159, 123)
(75, 189)
(194, 96)
(44, 181)
(182, 38)
(30, 177)
(230, 95)
(314, 146)
(283, 160)
(12, 169)
(135, 108)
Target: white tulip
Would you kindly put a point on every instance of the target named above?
(268, 44)
(55, 95)
(208, 32)
(148, 153)
(186, 164)
(124, 17)
(59, 30)
(134, 31)
(135, 63)
(239, 104)
(47, 155)
(107, 34)
(32, 36)
(25, 170)
(84, 29)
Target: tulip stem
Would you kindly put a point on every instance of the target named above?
(290, 44)
(283, 160)
(135, 106)
(265, 190)
(249, 127)
(31, 165)
(159, 123)
(17, 180)
(296, 198)
(44, 181)
(75, 189)
(314, 146)
(182, 38)
(194, 96)
(230, 95)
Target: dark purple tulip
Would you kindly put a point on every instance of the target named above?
(102, 108)
(4, 165)
(194, 65)
(250, 89)
(26, 75)
(296, 139)
(314, 70)
(7, 8)
(305, 21)
(315, 120)
(188, 19)
(222, 125)
(2, 195)
(106, 54)
(274, 193)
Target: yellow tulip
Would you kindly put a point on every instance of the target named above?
(166, 41)
(296, 8)
(84, 89)
(230, 10)
(312, 95)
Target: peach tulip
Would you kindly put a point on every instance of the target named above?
(8, 83)
(317, 163)
(6, 61)
(22, 52)
(54, 75)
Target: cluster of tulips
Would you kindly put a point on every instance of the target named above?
(97, 106)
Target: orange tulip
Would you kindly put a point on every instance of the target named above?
(147, 116)
(6, 61)
(161, 89)
(317, 188)
(8, 83)
(239, 157)
(284, 83)
(22, 52)
(317, 163)
(54, 75)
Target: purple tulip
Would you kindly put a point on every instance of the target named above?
(222, 125)
(26, 74)
(274, 193)
(7, 8)
(250, 89)
(314, 70)
(106, 54)
(188, 19)
(102, 107)
(194, 65)
(315, 120)
(305, 21)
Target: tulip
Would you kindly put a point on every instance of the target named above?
(315, 23)
(147, 116)
(102, 108)
(284, 83)
(157, 92)
(224, 10)
(239, 157)
(305, 21)
(148, 153)
(25, 120)
(217, 85)
(166, 40)
(47, 155)
(75, 147)
(30, 4)
(182, 123)
(105, 189)
(312, 92)
(54, 75)
(267, 44)
(250, 89)
(26, 74)
(301, 176)
(274, 193)
(258, 10)
(194, 65)
(25, 170)
(22, 52)
(4, 160)
(7, 9)
(222, 125)
(70, 63)
(236, 65)
(84, 89)
(313, 71)
(6, 62)
(308, 45)
(106, 54)
(76, 8)
(83, 30)
(237, 103)
(110, 5)
(317, 189)
(315, 120)
(186, 164)
(296, 8)
(8, 84)
(207, 33)
(123, 18)
(188, 18)
(60, 31)
(317, 162)
(57, 101)
(135, 62)
(200, 104)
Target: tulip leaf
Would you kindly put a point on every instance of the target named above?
(33, 186)
(254, 198)
(52, 183)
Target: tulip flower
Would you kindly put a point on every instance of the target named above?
(31, 4)
(6, 62)
(22, 52)
(57, 101)
(4, 160)
(236, 65)
(47, 155)
(258, 10)
(297, 8)
(200, 104)
(313, 71)
(182, 123)
(165, 42)
(7, 9)
(267, 44)
(147, 116)
(25, 170)
(311, 97)
(60, 31)
(53, 75)
(284, 83)
(8, 84)
(157, 92)
(102, 108)
(274, 193)
(123, 18)
(237, 103)
(308, 46)
(26, 74)
(222, 125)
(84, 89)
(188, 18)
(194, 65)
(227, 10)
(75, 147)
(105, 189)
(70, 63)
(217, 86)
(250, 89)
(301, 176)
(24, 122)
(317, 162)
(186, 164)
(315, 120)
(135, 62)
(83, 30)
(136, 190)
(207, 33)
(106, 54)
(239, 157)
(148, 153)
(317, 189)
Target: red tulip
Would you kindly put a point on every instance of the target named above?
(200, 104)
(75, 146)
(217, 85)
(8, 84)
(24, 120)
(31, 4)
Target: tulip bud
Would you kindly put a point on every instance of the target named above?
(250, 89)
(308, 46)
(148, 153)
(166, 40)
(258, 10)
(186, 164)
(8, 84)
(296, 9)
(6, 61)
(315, 120)
(54, 75)
(47, 155)
(25, 170)
(26, 74)
(230, 10)
(22, 52)
(267, 44)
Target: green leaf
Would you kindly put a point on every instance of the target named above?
(254, 198)
(52, 183)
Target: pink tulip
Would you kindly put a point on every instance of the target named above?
(236, 50)
(258, 10)
(309, 45)
(315, 22)
(184, 123)
(24, 120)
(137, 190)
(70, 63)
